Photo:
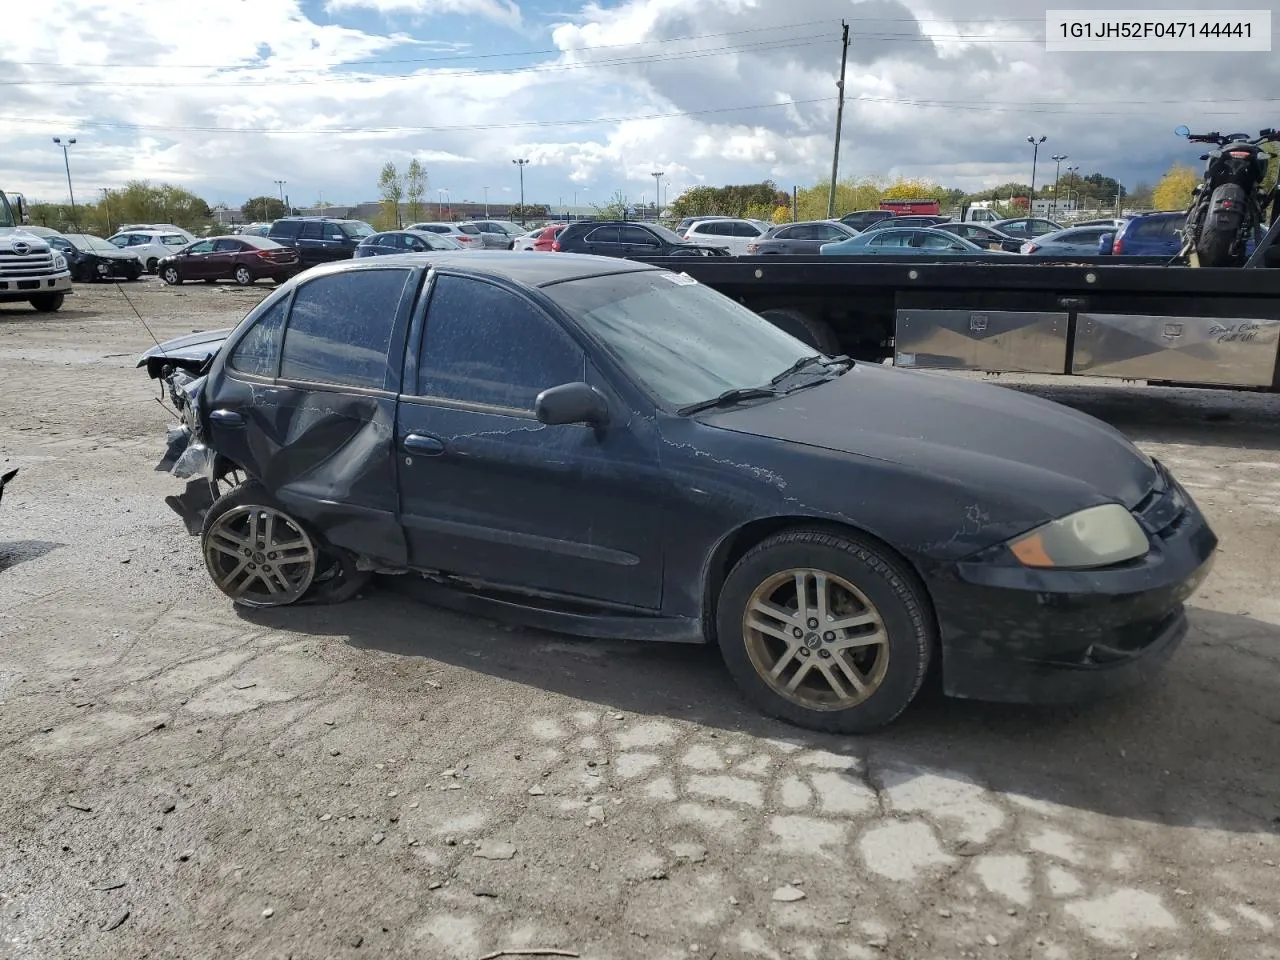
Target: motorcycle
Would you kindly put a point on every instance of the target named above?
(1227, 206)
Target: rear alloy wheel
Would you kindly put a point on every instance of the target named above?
(825, 631)
(152, 264)
(258, 555)
(261, 556)
(243, 276)
(171, 276)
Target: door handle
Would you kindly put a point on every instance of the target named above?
(228, 418)
(423, 445)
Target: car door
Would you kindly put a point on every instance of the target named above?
(311, 243)
(193, 263)
(305, 402)
(221, 263)
(637, 241)
(604, 241)
(489, 492)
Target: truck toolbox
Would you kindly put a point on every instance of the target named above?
(1006, 340)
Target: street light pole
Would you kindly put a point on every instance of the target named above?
(657, 193)
(1035, 155)
(1073, 183)
(280, 186)
(521, 164)
(486, 203)
(66, 161)
(1057, 175)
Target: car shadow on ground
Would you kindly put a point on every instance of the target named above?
(15, 552)
(1194, 748)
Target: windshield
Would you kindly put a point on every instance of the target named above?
(86, 241)
(664, 233)
(6, 212)
(682, 341)
(359, 229)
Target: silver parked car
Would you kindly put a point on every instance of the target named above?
(493, 235)
(466, 235)
(805, 237)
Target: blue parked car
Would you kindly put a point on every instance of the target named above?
(1146, 235)
(404, 241)
(896, 241)
(1073, 241)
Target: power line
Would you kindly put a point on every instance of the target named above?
(533, 53)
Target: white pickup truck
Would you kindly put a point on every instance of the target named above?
(30, 271)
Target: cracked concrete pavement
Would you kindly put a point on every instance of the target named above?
(383, 778)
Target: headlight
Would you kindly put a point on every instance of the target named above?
(1095, 537)
(59, 262)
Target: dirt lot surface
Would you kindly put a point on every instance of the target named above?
(182, 779)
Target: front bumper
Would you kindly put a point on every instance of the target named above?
(1014, 634)
(21, 290)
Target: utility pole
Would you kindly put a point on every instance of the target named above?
(106, 204)
(835, 161)
(280, 185)
(67, 163)
(486, 203)
(1035, 155)
(657, 193)
(521, 164)
(1057, 176)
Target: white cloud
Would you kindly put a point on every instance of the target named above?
(942, 88)
(502, 11)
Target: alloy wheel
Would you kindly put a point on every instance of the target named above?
(170, 276)
(243, 276)
(816, 639)
(259, 556)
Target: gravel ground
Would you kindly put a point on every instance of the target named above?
(183, 779)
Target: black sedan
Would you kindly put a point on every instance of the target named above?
(93, 258)
(606, 448)
(983, 236)
(623, 238)
(404, 241)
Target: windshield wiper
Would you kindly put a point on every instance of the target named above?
(735, 395)
(808, 361)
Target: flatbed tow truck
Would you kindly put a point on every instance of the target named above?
(1140, 319)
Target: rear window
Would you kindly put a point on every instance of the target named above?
(1151, 228)
(286, 228)
(173, 240)
(340, 328)
(468, 228)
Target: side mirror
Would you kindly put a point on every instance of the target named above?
(571, 403)
(21, 209)
(1183, 130)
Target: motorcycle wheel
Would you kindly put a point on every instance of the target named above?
(1214, 249)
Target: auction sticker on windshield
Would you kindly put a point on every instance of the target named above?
(1154, 31)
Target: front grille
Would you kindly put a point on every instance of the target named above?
(13, 267)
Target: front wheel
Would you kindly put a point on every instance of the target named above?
(171, 276)
(48, 302)
(243, 276)
(825, 630)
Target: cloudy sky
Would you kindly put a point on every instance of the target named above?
(227, 97)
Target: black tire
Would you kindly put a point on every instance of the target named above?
(171, 276)
(1214, 249)
(800, 325)
(133, 274)
(153, 264)
(244, 276)
(898, 597)
(48, 302)
(336, 578)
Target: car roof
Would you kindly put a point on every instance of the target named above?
(532, 271)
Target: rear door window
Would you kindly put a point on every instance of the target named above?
(258, 351)
(340, 328)
(824, 231)
(227, 246)
(603, 235)
(286, 228)
(628, 234)
(469, 229)
(312, 230)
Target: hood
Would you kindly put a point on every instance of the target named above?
(10, 241)
(1014, 446)
(189, 352)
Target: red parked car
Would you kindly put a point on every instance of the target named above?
(241, 258)
(547, 237)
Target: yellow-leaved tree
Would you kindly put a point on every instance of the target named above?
(1173, 192)
(913, 189)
